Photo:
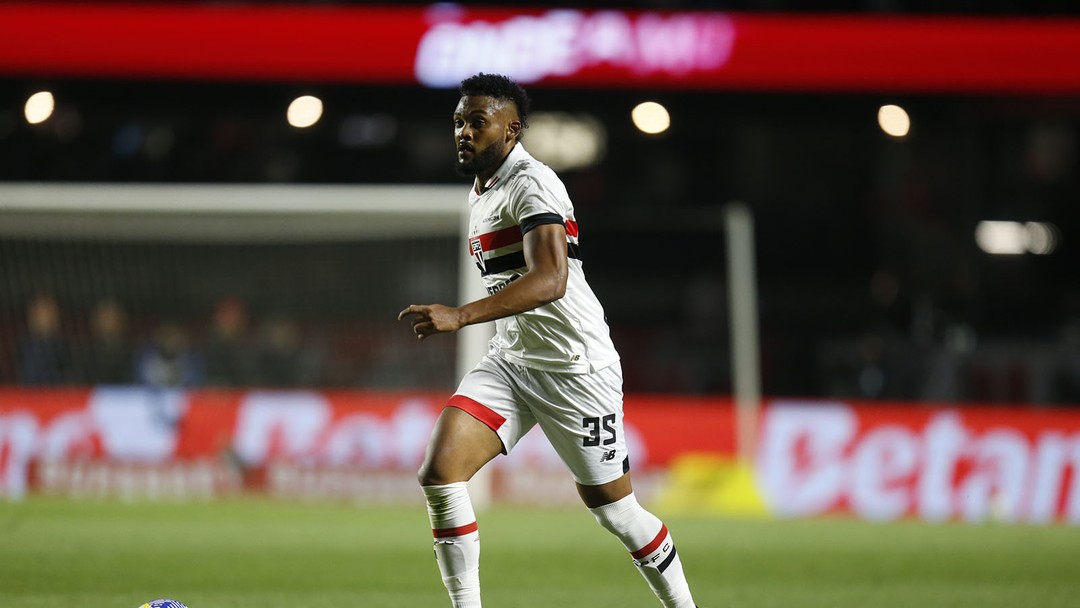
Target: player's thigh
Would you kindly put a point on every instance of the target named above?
(460, 446)
(582, 417)
(482, 419)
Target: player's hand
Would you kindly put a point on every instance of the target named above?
(428, 319)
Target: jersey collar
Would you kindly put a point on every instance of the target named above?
(516, 153)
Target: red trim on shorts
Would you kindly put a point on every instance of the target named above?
(653, 546)
(477, 410)
(458, 531)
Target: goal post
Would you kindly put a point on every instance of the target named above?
(743, 317)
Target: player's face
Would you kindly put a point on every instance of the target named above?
(485, 129)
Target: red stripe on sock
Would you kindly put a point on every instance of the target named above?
(477, 410)
(458, 531)
(653, 546)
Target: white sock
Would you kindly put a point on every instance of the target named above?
(457, 542)
(651, 546)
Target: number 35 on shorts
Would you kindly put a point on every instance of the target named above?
(601, 431)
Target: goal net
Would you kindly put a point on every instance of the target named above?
(228, 285)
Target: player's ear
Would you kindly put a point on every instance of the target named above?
(513, 129)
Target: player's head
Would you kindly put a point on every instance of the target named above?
(489, 120)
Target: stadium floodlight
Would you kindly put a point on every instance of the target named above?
(39, 107)
(650, 117)
(894, 120)
(1016, 238)
(567, 141)
(304, 111)
(1042, 238)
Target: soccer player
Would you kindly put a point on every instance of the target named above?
(550, 363)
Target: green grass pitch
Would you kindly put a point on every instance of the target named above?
(263, 554)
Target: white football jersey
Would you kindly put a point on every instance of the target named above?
(569, 334)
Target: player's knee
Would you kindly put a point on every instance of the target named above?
(619, 516)
(424, 476)
(606, 522)
(431, 473)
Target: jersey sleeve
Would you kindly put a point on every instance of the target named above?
(533, 205)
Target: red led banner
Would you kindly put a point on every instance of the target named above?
(439, 45)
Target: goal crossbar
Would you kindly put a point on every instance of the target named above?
(230, 212)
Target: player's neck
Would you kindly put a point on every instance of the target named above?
(481, 186)
(483, 180)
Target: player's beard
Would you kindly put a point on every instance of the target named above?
(482, 160)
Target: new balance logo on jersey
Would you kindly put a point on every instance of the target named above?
(608, 456)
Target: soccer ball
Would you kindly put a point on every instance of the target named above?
(163, 603)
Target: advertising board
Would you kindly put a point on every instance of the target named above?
(440, 44)
(879, 461)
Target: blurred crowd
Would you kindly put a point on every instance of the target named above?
(228, 353)
(938, 361)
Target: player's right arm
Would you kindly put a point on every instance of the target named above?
(543, 282)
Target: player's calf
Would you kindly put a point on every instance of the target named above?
(457, 542)
(651, 547)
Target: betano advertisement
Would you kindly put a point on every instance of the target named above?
(876, 461)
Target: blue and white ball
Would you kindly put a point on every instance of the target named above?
(163, 603)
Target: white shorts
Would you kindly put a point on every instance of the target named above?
(581, 414)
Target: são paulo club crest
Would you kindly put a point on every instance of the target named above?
(477, 251)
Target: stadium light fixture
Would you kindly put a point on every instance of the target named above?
(567, 141)
(651, 117)
(1042, 238)
(304, 111)
(894, 120)
(1015, 238)
(39, 107)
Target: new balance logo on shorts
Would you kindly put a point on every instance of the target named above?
(608, 456)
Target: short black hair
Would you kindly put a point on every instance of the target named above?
(499, 87)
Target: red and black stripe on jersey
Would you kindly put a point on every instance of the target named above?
(483, 245)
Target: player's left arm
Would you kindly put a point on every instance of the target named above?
(544, 281)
